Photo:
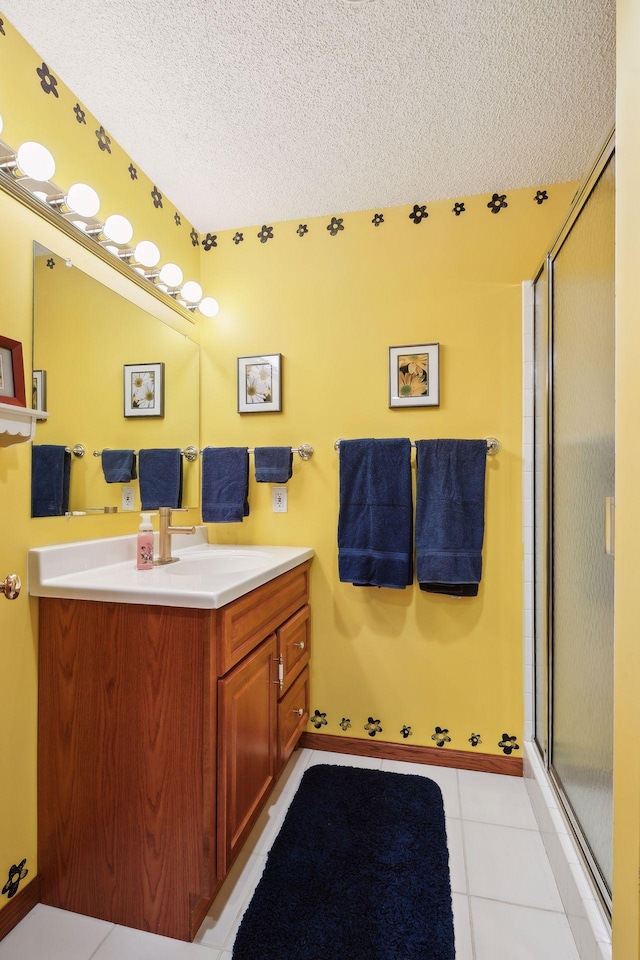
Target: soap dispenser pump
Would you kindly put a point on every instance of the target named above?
(144, 551)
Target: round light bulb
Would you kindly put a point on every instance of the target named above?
(209, 307)
(82, 199)
(191, 291)
(147, 253)
(171, 274)
(117, 228)
(35, 161)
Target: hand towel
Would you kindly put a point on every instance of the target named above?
(50, 475)
(450, 489)
(119, 466)
(273, 464)
(225, 484)
(375, 533)
(160, 478)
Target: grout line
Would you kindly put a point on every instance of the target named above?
(525, 906)
(103, 941)
(466, 871)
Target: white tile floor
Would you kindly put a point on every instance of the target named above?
(505, 901)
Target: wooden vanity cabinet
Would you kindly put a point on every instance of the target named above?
(162, 731)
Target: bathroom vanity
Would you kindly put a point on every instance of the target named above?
(163, 726)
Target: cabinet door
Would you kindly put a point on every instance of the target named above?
(247, 747)
(293, 713)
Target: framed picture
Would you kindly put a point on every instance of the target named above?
(39, 390)
(414, 375)
(144, 389)
(11, 373)
(260, 384)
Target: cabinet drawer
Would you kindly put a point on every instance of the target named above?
(246, 622)
(293, 645)
(293, 713)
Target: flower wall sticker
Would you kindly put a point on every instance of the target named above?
(17, 873)
(441, 736)
(541, 196)
(508, 744)
(335, 226)
(266, 233)
(302, 229)
(133, 173)
(406, 732)
(210, 241)
(156, 196)
(378, 218)
(104, 141)
(372, 727)
(177, 219)
(458, 208)
(238, 238)
(418, 213)
(47, 80)
(474, 739)
(345, 724)
(318, 719)
(498, 202)
(2, 28)
(80, 114)
(51, 263)
(195, 237)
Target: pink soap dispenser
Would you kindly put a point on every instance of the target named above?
(144, 552)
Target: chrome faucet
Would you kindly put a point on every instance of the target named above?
(166, 529)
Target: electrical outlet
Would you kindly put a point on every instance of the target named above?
(128, 498)
(279, 499)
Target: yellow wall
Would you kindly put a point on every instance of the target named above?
(626, 827)
(332, 306)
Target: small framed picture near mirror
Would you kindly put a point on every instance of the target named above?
(11, 373)
(260, 384)
(39, 390)
(414, 375)
(144, 389)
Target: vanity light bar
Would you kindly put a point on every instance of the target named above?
(26, 175)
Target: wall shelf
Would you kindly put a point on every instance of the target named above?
(18, 424)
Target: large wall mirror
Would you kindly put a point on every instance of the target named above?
(84, 335)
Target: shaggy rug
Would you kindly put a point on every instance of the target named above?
(359, 871)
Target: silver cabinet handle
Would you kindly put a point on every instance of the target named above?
(11, 586)
(301, 644)
(299, 712)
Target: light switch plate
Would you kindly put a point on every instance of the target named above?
(279, 499)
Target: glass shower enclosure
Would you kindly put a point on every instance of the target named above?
(574, 472)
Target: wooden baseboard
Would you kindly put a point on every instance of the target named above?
(441, 757)
(19, 906)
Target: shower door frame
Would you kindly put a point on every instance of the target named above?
(546, 629)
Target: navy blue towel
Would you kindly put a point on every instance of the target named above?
(450, 486)
(273, 464)
(50, 475)
(225, 484)
(119, 466)
(160, 478)
(375, 533)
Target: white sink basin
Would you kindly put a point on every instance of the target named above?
(206, 575)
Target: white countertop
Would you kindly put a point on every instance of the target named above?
(207, 576)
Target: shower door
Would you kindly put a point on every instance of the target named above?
(574, 568)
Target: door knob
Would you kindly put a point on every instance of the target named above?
(11, 586)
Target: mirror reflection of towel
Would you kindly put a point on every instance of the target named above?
(160, 478)
(375, 525)
(450, 493)
(50, 475)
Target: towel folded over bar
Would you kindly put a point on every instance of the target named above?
(273, 464)
(375, 532)
(450, 494)
(50, 475)
(225, 484)
(160, 478)
(119, 466)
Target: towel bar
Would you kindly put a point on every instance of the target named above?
(493, 445)
(189, 453)
(78, 450)
(304, 451)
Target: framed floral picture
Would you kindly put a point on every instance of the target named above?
(144, 389)
(260, 384)
(414, 375)
(11, 373)
(39, 391)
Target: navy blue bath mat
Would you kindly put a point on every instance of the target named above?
(359, 871)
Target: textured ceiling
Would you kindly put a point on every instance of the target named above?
(254, 111)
